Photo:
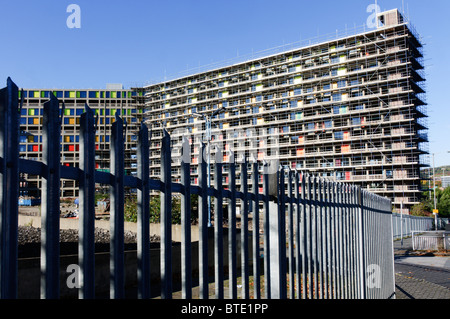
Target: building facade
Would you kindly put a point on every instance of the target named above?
(106, 104)
(351, 109)
(445, 181)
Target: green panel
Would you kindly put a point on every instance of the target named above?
(66, 111)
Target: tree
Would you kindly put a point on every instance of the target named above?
(443, 202)
(424, 208)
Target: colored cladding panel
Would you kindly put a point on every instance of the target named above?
(81, 94)
(71, 148)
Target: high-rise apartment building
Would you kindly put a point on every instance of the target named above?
(106, 104)
(350, 109)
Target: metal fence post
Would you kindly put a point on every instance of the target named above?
(303, 238)
(9, 189)
(203, 225)
(232, 257)
(186, 267)
(117, 211)
(319, 218)
(291, 236)
(297, 221)
(244, 232)
(266, 225)
(86, 244)
(278, 242)
(143, 212)
(362, 244)
(307, 281)
(256, 272)
(166, 218)
(218, 226)
(50, 209)
(314, 237)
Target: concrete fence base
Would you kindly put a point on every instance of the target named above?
(29, 269)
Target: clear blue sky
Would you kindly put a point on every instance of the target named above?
(133, 42)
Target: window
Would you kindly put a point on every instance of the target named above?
(82, 94)
(337, 97)
(356, 121)
(341, 83)
(339, 135)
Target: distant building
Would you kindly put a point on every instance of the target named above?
(105, 103)
(445, 181)
(350, 109)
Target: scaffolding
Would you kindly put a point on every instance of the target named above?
(352, 109)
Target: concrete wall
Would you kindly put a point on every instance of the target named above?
(29, 269)
(68, 223)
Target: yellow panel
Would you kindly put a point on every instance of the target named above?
(72, 121)
(36, 120)
(72, 94)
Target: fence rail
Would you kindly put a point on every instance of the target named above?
(404, 225)
(321, 239)
(430, 240)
